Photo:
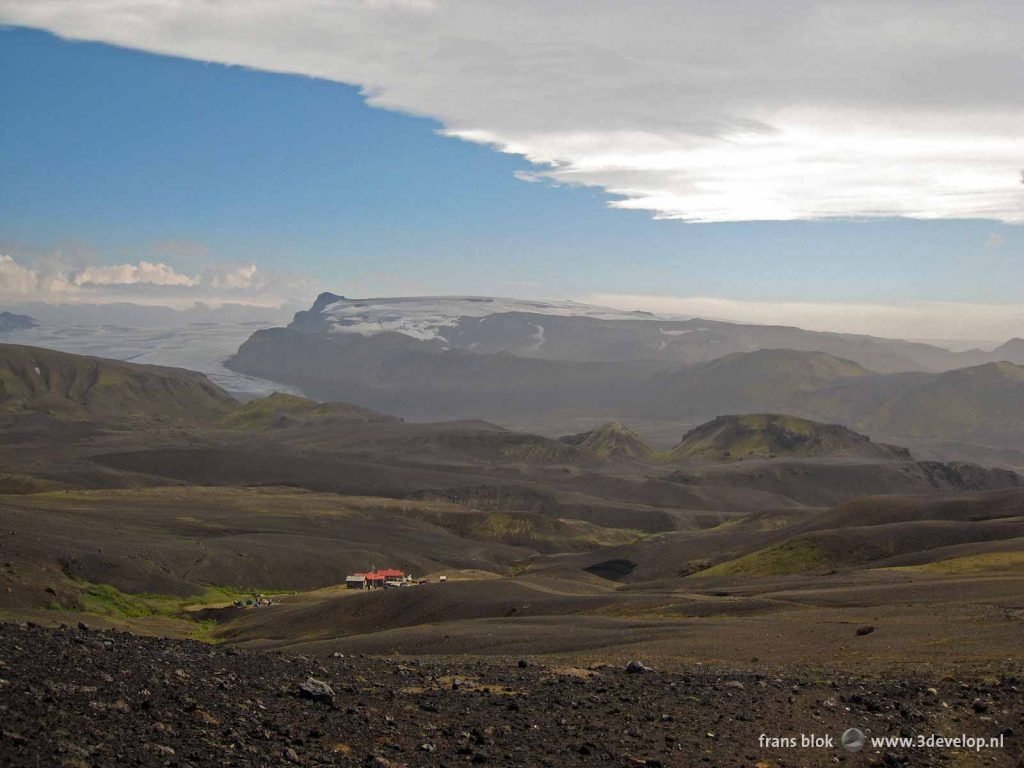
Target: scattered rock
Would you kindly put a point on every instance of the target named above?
(692, 714)
(867, 629)
(635, 667)
(316, 690)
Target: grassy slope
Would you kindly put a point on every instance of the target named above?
(769, 435)
(36, 380)
(930, 533)
(614, 440)
(282, 410)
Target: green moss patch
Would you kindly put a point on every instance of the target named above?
(794, 556)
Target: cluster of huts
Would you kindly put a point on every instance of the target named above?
(384, 578)
(378, 579)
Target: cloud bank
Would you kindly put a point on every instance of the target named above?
(915, 320)
(729, 111)
(144, 272)
(52, 279)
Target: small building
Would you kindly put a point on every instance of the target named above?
(382, 576)
(356, 581)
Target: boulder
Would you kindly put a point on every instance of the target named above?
(316, 690)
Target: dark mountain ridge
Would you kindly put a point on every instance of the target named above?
(12, 322)
(481, 357)
(567, 331)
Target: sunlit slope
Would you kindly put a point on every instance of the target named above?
(771, 435)
(34, 380)
(613, 440)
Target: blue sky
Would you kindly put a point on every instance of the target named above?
(114, 156)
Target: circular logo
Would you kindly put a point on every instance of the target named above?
(853, 739)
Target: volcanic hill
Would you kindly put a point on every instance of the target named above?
(771, 435)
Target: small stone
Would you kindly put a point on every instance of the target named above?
(635, 667)
(292, 756)
(733, 684)
(867, 629)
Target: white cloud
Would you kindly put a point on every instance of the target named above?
(916, 320)
(56, 279)
(19, 281)
(144, 272)
(16, 280)
(234, 277)
(701, 111)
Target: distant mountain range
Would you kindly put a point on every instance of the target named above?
(12, 322)
(574, 332)
(62, 396)
(507, 360)
(983, 402)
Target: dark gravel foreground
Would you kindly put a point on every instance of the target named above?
(75, 697)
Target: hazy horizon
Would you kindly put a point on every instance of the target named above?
(808, 316)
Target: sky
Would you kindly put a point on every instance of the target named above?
(850, 166)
